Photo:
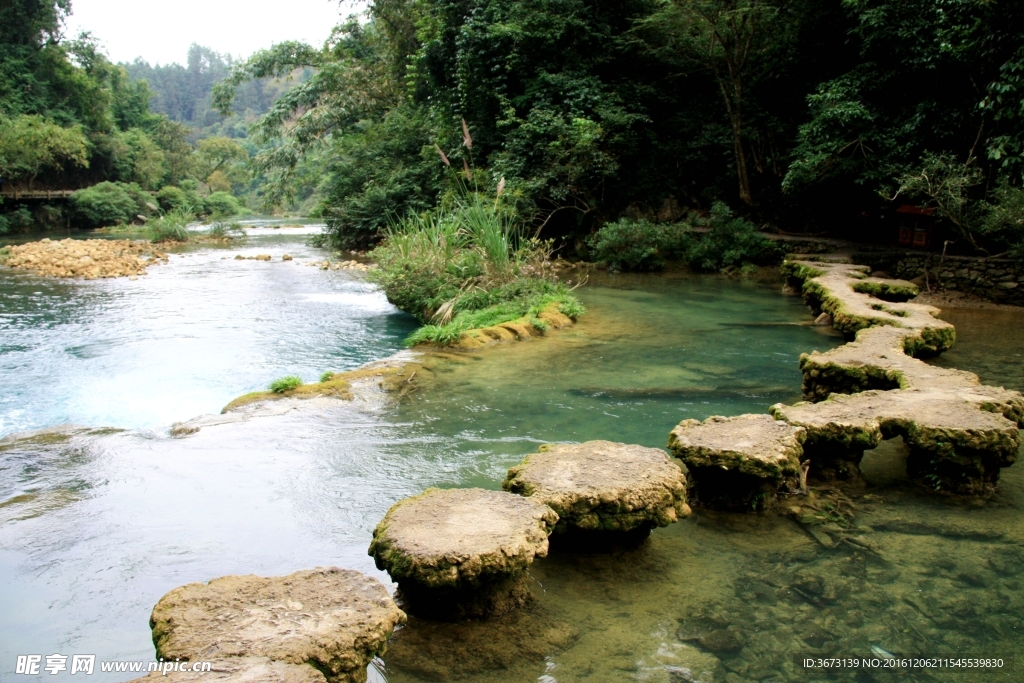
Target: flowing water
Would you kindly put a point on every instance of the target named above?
(96, 525)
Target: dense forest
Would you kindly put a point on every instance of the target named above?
(802, 115)
(72, 120)
(816, 116)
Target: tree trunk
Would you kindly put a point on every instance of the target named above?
(741, 163)
(733, 108)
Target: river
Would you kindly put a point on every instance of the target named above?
(96, 523)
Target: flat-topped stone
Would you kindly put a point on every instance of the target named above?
(462, 552)
(876, 360)
(856, 301)
(603, 486)
(738, 463)
(955, 446)
(239, 670)
(335, 620)
(959, 431)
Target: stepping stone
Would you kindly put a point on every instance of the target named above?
(603, 486)
(738, 463)
(462, 553)
(960, 432)
(857, 301)
(877, 360)
(240, 670)
(955, 446)
(328, 619)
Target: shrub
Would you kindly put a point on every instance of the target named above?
(639, 245)
(222, 204)
(18, 220)
(104, 204)
(729, 241)
(171, 227)
(171, 198)
(279, 386)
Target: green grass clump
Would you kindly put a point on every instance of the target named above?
(326, 377)
(466, 265)
(171, 227)
(280, 386)
(225, 230)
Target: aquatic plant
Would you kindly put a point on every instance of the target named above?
(225, 230)
(283, 384)
(171, 227)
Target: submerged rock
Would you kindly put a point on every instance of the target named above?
(601, 485)
(470, 649)
(335, 620)
(462, 553)
(738, 463)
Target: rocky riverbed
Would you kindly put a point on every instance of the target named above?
(89, 259)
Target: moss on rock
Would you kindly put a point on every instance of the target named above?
(334, 620)
(601, 485)
(847, 293)
(738, 463)
(955, 446)
(458, 553)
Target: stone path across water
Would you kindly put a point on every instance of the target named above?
(603, 486)
(960, 433)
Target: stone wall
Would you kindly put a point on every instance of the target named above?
(1000, 280)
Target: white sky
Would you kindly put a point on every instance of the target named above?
(160, 31)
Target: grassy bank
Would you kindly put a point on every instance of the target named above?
(467, 266)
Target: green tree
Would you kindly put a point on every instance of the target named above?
(726, 38)
(138, 159)
(220, 155)
(31, 144)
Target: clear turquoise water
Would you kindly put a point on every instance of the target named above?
(184, 339)
(96, 526)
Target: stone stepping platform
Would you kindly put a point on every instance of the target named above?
(462, 553)
(242, 670)
(955, 446)
(856, 301)
(329, 621)
(876, 360)
(603, 486)
(739, 463)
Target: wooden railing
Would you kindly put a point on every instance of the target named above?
(35, 194)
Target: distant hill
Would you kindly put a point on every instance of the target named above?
(182, 92)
